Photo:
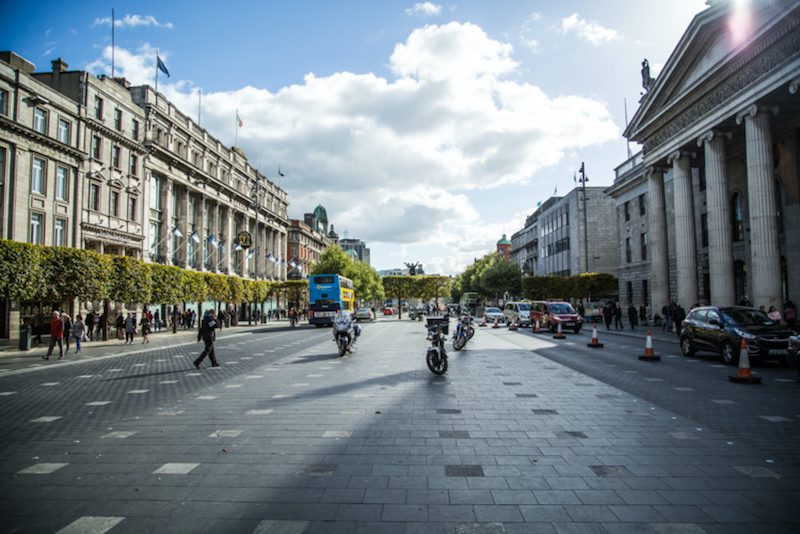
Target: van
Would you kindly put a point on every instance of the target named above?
(550, 313)
(517, 313)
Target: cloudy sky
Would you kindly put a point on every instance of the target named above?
(425, 129)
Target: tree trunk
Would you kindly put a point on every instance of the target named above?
(104, 324)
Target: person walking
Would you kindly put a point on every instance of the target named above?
(666, 313)
(130, 329)
(38, 324)
(643, 314)
(208, 335)
(618, 317)
(608, 315)
(56, 335)
(67, 322)
(120, 325)
(146, 326)
(78, 330)
(678, 317)
(633, 315)
(90, 325)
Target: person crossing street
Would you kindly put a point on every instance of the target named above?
(208, 335)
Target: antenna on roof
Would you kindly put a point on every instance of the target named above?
(627, 142)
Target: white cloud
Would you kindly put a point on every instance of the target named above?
(132, 21)
(394, 160)
(588, 31)
(426, 9)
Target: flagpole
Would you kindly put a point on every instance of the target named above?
(199, 104)
(156, 78)
(236, 129)
(112, 43)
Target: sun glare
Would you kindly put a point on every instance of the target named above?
(741, 20)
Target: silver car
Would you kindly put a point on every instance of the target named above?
(364, 314)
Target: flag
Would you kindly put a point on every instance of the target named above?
(575, 177)
(271, 258)
(161, 66)
(539, 204)
(213, 241)
(237, 247)
(250, 254)
(279, 171)
(238, 119)
(222, 245)
(176, 232)
(195, 237)
(556, 191)
(292, 264)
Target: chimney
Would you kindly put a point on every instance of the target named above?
(58, 67)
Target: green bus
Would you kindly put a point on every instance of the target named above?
(468, 302)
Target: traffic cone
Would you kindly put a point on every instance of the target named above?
(483, 323)
(537, 329)
(649, 355)
(559, 334)
(744, 376)
(495, 323)
(595, 344)
(512, 325)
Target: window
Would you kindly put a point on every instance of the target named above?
(135, 129)
(630, 292)
(644, 246)
(113, 203)
(704, 230)
(98, 108)
(96, 147)
(701, 177)
(37, 176)
(37, 223)
(642, 204)
(627, 212)
(3, 102)
(40, 121)
(132, 208)
(737, 216)
(132, 163)
(118, 119)
(628, 254)
(63, 131)
(115, 157)
(61, 183)
(94, 197)
(645, 293)
(60, 233)
(155, 193)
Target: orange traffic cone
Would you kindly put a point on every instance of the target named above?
(649, 355)
(537, 329)
(559, 334)
(595, 344)
(744, 376)
(483, 323)
(512, 325)
(495, 323)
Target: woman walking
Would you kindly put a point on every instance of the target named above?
(130, 329)
(145, 329)
(67, 321)
(78, 330)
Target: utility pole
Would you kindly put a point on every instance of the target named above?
(583, 179)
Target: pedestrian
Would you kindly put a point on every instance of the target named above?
(581, 310)
(608, 315)
(90, 325)
(56, 335)
(643, 314)
(38, 324)
(666, 312)
(102, 327)
(789, 313)
(618, 317)
(208, 335)
(633, 315)
(78, 330)
(67, 322)
(774, 314)
(192, 319)
(120, 325)
(146, 325)
(678, 317)
(130, 329)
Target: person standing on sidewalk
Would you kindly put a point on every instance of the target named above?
(90, 325)
(666, 312)
(632, 315)
(208, 335)
(56, 334)
(618, 317)
(679, 316)
(130, 329)
(78, 330)
(67, 322)
(145, 328)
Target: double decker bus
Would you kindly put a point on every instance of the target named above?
(468, 302)
(327, 294)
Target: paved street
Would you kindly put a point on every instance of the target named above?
(523, 434)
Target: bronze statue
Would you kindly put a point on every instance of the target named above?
(647, 81)
(412, 268)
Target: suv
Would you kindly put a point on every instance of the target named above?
(550, 314)
(722, 330)
(518, 313)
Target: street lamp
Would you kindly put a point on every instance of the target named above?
(582, 180)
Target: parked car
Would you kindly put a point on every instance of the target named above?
(794, 353)
(722, 330)
(388, 311)
(518, 313)
(550, 314)
(364, 314)
(494, 313)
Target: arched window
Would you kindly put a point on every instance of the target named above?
(737, 214)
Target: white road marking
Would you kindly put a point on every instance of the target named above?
(91, 525)
(46, 419)
(233, 386)
(338, 434)
(120, 434)
(41, 469)
(137, 391)
(206, 397)
(175, 469)
(225, 433)
(98, 403)
(259, 412)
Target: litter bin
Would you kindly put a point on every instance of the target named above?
(25, 337)
(228, 320)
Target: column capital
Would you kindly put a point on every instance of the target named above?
(794, 85)
(754, 109)
(652, 169)
(678, 154)
(708, 136)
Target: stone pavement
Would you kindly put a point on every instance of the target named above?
(506, 441)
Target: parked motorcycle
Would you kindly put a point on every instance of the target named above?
(437, 333)
(460, 336)
(344, 333)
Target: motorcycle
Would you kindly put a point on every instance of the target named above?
(437, 355)
(292, 320)
(460, 337)
(344, 333)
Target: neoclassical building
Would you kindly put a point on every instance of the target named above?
(721, 124)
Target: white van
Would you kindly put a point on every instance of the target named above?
(518, 313)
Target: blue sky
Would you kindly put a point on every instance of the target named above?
(425, 129)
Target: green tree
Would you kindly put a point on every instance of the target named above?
(333, 261)
(167, 282)
(401, 288)
(366, 282)
(501, 277)
(73, 273)
(433, 287)
(22, 276)
(130, 281)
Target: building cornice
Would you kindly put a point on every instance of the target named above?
(42, 139)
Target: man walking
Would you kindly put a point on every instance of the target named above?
(208, 335)
(666, 312)
(56, 334)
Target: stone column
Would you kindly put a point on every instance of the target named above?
(720, 233)
(183, 242)
(231, 244)
(765, 256)
(685, 237)
(657, 237)
(166, 219)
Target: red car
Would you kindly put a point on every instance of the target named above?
(388, 311)
(550, 314)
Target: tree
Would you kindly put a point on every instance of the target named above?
(433, 287)
(400, 288)
(72, 273)
(502, 277)
(333, 261)
(130, 281)
(366, 281)
(22, 276)
(167, 282)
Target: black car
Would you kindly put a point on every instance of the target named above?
(722, 330)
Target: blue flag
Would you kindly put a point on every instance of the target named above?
(161, 66)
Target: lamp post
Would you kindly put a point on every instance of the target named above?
(583, 179)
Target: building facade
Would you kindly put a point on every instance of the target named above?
(357, 246)
(721, 123)
(504, 247)
(304, 247)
